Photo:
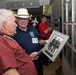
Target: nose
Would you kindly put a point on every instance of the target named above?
(23, 20)
(16, 25)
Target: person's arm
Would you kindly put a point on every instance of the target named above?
(42, 42)
(32, 56)
(48, 30)
(11, 72)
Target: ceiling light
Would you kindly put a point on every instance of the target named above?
(15, 5)
(31, 3)
(23, 4)
(67, 0)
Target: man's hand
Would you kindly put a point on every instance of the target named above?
(32, 56)
(42, 42)
(48, 30)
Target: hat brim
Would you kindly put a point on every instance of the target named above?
(28, 16)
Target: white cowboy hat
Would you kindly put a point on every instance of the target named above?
(23, 13)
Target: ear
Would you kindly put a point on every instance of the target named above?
(5, 25)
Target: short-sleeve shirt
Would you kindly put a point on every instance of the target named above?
(24, 38)
(42, 28)
(13, 56)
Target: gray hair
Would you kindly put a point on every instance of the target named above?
(5, 16)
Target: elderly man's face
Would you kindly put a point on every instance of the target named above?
(23, 22)
(11, 26)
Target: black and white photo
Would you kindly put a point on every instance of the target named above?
(56, 42)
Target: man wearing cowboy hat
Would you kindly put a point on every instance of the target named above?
(29, 38)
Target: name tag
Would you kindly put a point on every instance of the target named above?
(34, 40)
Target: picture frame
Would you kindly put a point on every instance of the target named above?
(69, 54)
(75, 11)
(74, 36)
(64, 28)
(64, 13)
(55, 44)
(74, 62)
(64, 51)
(70, 33)
(64, 1)
(70, 11)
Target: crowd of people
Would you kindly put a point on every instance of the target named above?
(20, 42)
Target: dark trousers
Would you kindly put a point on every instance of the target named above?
(44, 59)
(39, 65)
(40, 70)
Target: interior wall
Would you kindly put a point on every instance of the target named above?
(55, 12)
(47, 10)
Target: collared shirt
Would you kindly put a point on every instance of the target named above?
(13, 56)
(24, 38)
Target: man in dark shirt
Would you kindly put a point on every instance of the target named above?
(29, 38)
(13, 59)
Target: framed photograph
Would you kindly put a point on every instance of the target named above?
(69, 54)
(55, 44)
(64, 1)
(64, 28)
(75, 10)
(70, 11)
(64, 51)
(64, 15)
(75, 36)
(70, 33)
(74, 62)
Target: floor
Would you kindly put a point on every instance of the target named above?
(54, 68)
